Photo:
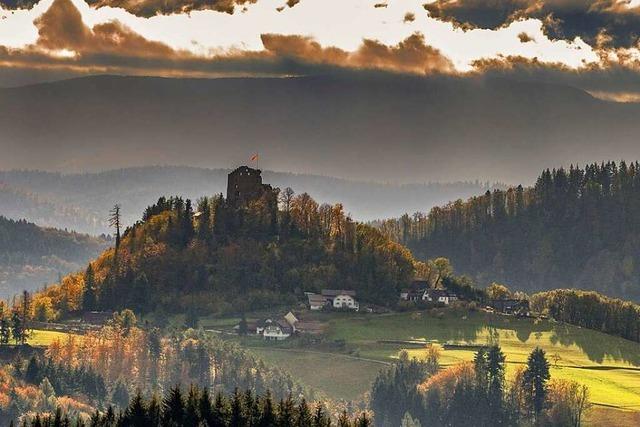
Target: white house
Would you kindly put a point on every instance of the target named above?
(439, 295)
(277, 331)
(341, 298)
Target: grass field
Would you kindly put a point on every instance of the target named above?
(41, 338)
(610, 366)
(335, 375)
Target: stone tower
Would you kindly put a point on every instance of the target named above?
(244, 185)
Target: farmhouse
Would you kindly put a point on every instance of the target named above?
(335, 298)
(341, 298)
(277, 330)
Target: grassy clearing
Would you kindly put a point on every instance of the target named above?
(334, 375)
(42, 338)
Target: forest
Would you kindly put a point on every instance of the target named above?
(217, 258)
(421, 393)
(196, 407)
(108, 366)
(575, 228)
(31, 256)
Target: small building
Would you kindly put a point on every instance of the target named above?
(518, 307)
(277, 331)
(441, 296)
(291, 319)
(316, 302)
(341, 298)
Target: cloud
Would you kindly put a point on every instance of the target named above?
(65, 43)
(614, 80)
(525, 38)
(148, 8)
(600, 23)
(411, 55)
(18, 4)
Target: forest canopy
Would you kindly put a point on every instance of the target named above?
(575, 228)
(215, 257)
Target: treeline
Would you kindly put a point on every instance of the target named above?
(198, 408)
(414, 393)
(236, 259)
(31, 256)
(79, 201)
(590, 310)
(24, 242)
(576, 227)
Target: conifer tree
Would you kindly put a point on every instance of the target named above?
(89, 299)
(536, 376)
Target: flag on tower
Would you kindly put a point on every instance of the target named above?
(254, 158)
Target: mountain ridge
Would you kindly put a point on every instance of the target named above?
(377, 127)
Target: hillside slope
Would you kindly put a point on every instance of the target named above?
(576, 228)
(31, 257)
(235, 257)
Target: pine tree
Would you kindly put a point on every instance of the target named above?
(536, 376)
(173, 413)
(89, 299)
(136, 413)
(286, 411)
(267, 414)
(303, 415)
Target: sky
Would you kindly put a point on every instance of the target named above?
(260, 37)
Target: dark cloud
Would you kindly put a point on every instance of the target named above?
(148, 8)
(600, 23)
(18, 4)
(525, 38)
(597, 78)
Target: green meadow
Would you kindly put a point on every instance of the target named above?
(610, 366)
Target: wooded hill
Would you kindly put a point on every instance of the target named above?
(574, 228)
(228, 259)
(31, 256)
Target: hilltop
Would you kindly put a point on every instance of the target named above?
(237, 253)
(81, 201)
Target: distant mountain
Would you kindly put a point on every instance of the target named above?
(31, 257)
(82, 201)
(378, 127)
(576, 228)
